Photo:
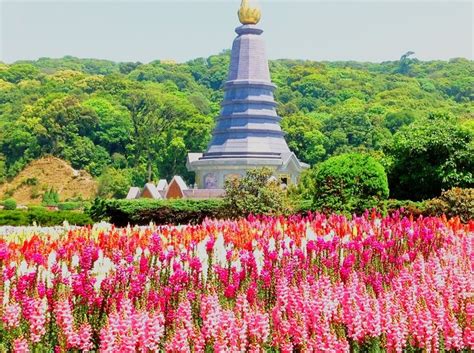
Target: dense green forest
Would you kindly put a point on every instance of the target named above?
(129, 122)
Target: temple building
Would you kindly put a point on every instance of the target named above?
(248, 133)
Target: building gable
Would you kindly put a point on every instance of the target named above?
(176, 188)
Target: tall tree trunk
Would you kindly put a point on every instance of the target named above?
(149, 168)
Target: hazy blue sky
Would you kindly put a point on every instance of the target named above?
(182, 30)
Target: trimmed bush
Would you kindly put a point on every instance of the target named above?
(404, 207)
(349, 183)
(454, 202)
(69, 206)
(9, 204)
(142, 212)
(385, 207)
(13, 218)
(43, 217)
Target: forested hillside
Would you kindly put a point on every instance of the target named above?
(129, 122)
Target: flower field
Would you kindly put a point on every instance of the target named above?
(300, 284)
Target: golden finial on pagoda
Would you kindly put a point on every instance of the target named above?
(249, 14)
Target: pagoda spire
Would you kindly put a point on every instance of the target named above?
(247, 132)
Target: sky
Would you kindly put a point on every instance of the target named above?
(183, 30)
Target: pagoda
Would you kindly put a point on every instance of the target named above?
(247, 133)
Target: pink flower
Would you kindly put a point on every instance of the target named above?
(65, 321)
(11, 315)
(129, 329)
(20, 345)
(210, 244)
(4, 251)
(85, 337)
(37, 318)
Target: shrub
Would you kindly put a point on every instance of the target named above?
(454, 202)
(35, 192)
(69, 206)
(9, 204)
(303, 206)
(404, 207)
(50, 198)
(13, 218)
(43, 217)
(30, 181)
(9, 192)
(349, 183)
(429, 156)
(255, 194)
(48, 218)
(144, 211)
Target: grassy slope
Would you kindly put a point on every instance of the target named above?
(49, 172)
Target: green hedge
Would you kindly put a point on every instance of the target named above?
(43, 218)
(406, 207)
(142, 212)
(70, 205)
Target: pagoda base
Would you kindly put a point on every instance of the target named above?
(213, 173)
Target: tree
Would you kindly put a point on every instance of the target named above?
(405, 63)
(126, 68)
(3, 169)
(304, 137)
(19, 72)
(346, 132)
(429, 156)
(349, 183)
(151, 117)
(211, 72)
(255, 193)
(395, 121)
(56, 120)
(114, 126)
(327, 108)
(19, 143)
(114, 183)
(84, 154)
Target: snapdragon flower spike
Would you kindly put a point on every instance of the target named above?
(11, 315)
(65, 321)
(36, 318)
(20, 345)
(302, 283)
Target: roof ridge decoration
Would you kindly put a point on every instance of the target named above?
(249, 14)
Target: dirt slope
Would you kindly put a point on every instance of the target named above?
(43, 174)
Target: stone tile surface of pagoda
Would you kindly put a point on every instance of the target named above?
(247, 132)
